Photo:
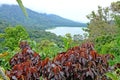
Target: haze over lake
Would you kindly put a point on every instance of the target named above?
(64, 30)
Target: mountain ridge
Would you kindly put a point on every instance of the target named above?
(14, 15)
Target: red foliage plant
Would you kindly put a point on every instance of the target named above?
(24, 64)
(78, 63)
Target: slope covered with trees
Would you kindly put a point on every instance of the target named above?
(14, 15)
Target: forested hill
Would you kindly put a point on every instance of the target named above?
(14, 15)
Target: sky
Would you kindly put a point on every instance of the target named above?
(71, 9)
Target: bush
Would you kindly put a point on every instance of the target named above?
(24, 64)
(78, 63)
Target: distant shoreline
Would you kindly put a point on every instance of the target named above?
(66, 26)
(62, 30)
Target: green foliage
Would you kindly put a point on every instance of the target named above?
(113, 75)
(12, 36)
(4, 61)
(48, 49)
(102, 14)
(3, 25)
(100, 23)
(104, 43)
(41, 78)
(108, 44)
(33, 44)
(39, 35)
(67, 41)
(117, 20)
(48, 44)
(104, 30)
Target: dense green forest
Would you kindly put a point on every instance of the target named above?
(63, 57)
(35, 20)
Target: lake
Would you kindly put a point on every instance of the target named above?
(64, 30)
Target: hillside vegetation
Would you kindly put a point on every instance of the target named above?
(35, 20)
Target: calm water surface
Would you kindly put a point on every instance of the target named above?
(64, 30)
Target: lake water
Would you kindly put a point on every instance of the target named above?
(64, 30)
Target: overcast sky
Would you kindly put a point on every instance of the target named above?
(71, 9)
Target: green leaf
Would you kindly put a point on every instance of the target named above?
(112, 75)
(22, 7)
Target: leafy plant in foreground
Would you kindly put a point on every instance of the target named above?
(78, 63)
(24, 64)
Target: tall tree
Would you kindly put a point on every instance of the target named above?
(115, 7)
(100, 23)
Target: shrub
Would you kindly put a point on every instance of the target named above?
(78, 63)
(24, 64)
